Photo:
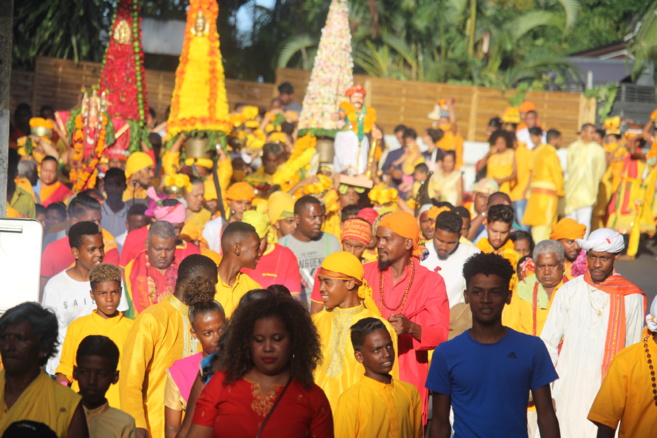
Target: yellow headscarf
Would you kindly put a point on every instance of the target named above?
(344, 265)
(210, 190)
(281, 206)
(258, 220)
(136, 162)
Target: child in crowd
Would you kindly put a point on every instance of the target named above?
(207, 319)
(96, 370)
(378, 405)
(105, 281)
(523, 243)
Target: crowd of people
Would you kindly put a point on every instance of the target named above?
(246, 296)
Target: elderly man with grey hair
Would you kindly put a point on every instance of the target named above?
(152, 275)
(533, 296)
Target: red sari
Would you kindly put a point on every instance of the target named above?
(238, 410)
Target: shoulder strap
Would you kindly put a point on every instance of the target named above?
(271, 411)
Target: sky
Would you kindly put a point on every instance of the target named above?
(245, 14)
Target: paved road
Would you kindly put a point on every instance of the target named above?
(643, 270)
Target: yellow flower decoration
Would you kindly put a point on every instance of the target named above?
(250, 112)
(382, 196)
(331, 202)
(178, 180)
(279, 137)
(38, 122)
(251, 124)
(237, 119)
(322, 186)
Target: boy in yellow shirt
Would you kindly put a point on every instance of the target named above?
(97, 358)
(105, 280)
(379, 405)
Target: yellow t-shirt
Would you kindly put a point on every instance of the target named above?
(626, 395)
(373, 409)
(339, 369)
(108, 422)
(116, 329)
(500, 165)
(229, 297)
(159, 336)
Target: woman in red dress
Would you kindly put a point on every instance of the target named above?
(265, 386)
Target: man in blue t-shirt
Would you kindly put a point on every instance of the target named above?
(486, 373)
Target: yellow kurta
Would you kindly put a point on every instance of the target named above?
(371, 409)
(519, 315)
(586, 166)
(44, 401)
(116, 329)
(159, 336)
(199, 218)
(626, 396)
(500, 165)
(108, 422)
(451, 142)
(339, 369)
(547, 186)
(229, 297)
(524, 168)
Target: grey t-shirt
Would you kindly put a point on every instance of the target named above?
(310, 256)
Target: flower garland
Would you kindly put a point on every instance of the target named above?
(85, 175)
(178, 180)
(322, 186)
(285, 173)
(369, 118)
(383, 197)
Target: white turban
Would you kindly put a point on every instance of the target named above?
(651, 318)
(603, 240)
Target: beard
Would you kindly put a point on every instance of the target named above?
(383, 265)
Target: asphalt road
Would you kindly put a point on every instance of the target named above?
(643, 270)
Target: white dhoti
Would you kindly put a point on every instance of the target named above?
(350, 156)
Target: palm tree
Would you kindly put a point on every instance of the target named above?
(643, 39)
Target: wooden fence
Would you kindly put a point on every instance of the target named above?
(409, 102)
(57, 82)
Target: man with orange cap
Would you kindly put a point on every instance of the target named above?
(239, 197)
(411, 297)
(139, 172)
(566, 232)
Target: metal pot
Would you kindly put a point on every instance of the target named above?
(326, 150)
(174, 191)
(41, 131)
(197, 147)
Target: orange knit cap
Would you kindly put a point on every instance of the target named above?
(526, 106)
(240, 191)
(568, 228)
(357, 229)
(404, 224)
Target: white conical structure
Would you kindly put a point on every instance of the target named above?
(332, 73)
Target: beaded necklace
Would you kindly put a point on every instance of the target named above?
(652, 370)
(400, 307)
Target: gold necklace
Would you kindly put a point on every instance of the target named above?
(650, 366)
(400, 307)
(598, 311)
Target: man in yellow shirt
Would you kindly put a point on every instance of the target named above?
(625, 395)
(379, 405)
(347, 300)
(159, 337)
(105, 280)
(240, 247)
(139, 172)
(524, 156)
(545, 188)
(587, 163)
(534, 295)
(498, 227)
(566, 232)
(194, 197)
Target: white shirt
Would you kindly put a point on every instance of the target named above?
(120, 240)
(574, 317)
(346, 153)
(212, 233)
(70, 299)
(451, 269)
(523, 136)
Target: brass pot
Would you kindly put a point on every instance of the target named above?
(174, 191)
(197, 147)
(326, 150)
(41, 131)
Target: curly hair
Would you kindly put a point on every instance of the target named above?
(198, 294)
(104, 273)
(487, 264)
(305, 353)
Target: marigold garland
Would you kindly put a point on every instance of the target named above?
(352, 117)
(383, 197)
(85, 175)
(324, 184)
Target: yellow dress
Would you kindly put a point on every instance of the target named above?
(229, 297)
(547, 186)
(371, 409)
(116, 329)
(43, 401)
(159, 336)
(625, 395)
(500, 165)
(451, 142)
(524, 167)
(447, 185)
(339, 369)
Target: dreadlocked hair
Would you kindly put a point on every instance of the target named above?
(236, 357)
